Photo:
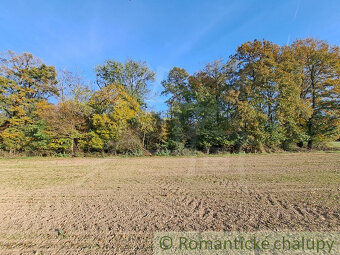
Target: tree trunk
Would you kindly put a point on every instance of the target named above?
(310, 121)
(143, 142)
(72, 147)
(310, 143)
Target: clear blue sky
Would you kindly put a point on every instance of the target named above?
(79, 34)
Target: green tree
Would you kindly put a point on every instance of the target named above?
(180, 123)
(135, 76)
(209, 88)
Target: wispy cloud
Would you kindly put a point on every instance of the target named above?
(296, 10)
(294, 19)
(288, 40)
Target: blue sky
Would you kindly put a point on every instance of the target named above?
(79, 34)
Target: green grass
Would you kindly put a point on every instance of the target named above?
(335, 145)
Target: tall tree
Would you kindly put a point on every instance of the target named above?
(24, 82)
(209, 88)
(135, 76)
(253, 94)
(181, 122)
(319, 67)
(291, 110)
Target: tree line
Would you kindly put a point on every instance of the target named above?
(264, 97)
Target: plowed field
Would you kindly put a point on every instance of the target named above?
(114, 205)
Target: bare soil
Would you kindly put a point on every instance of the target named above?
(114, 205)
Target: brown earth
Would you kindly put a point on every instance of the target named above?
(114, 205)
